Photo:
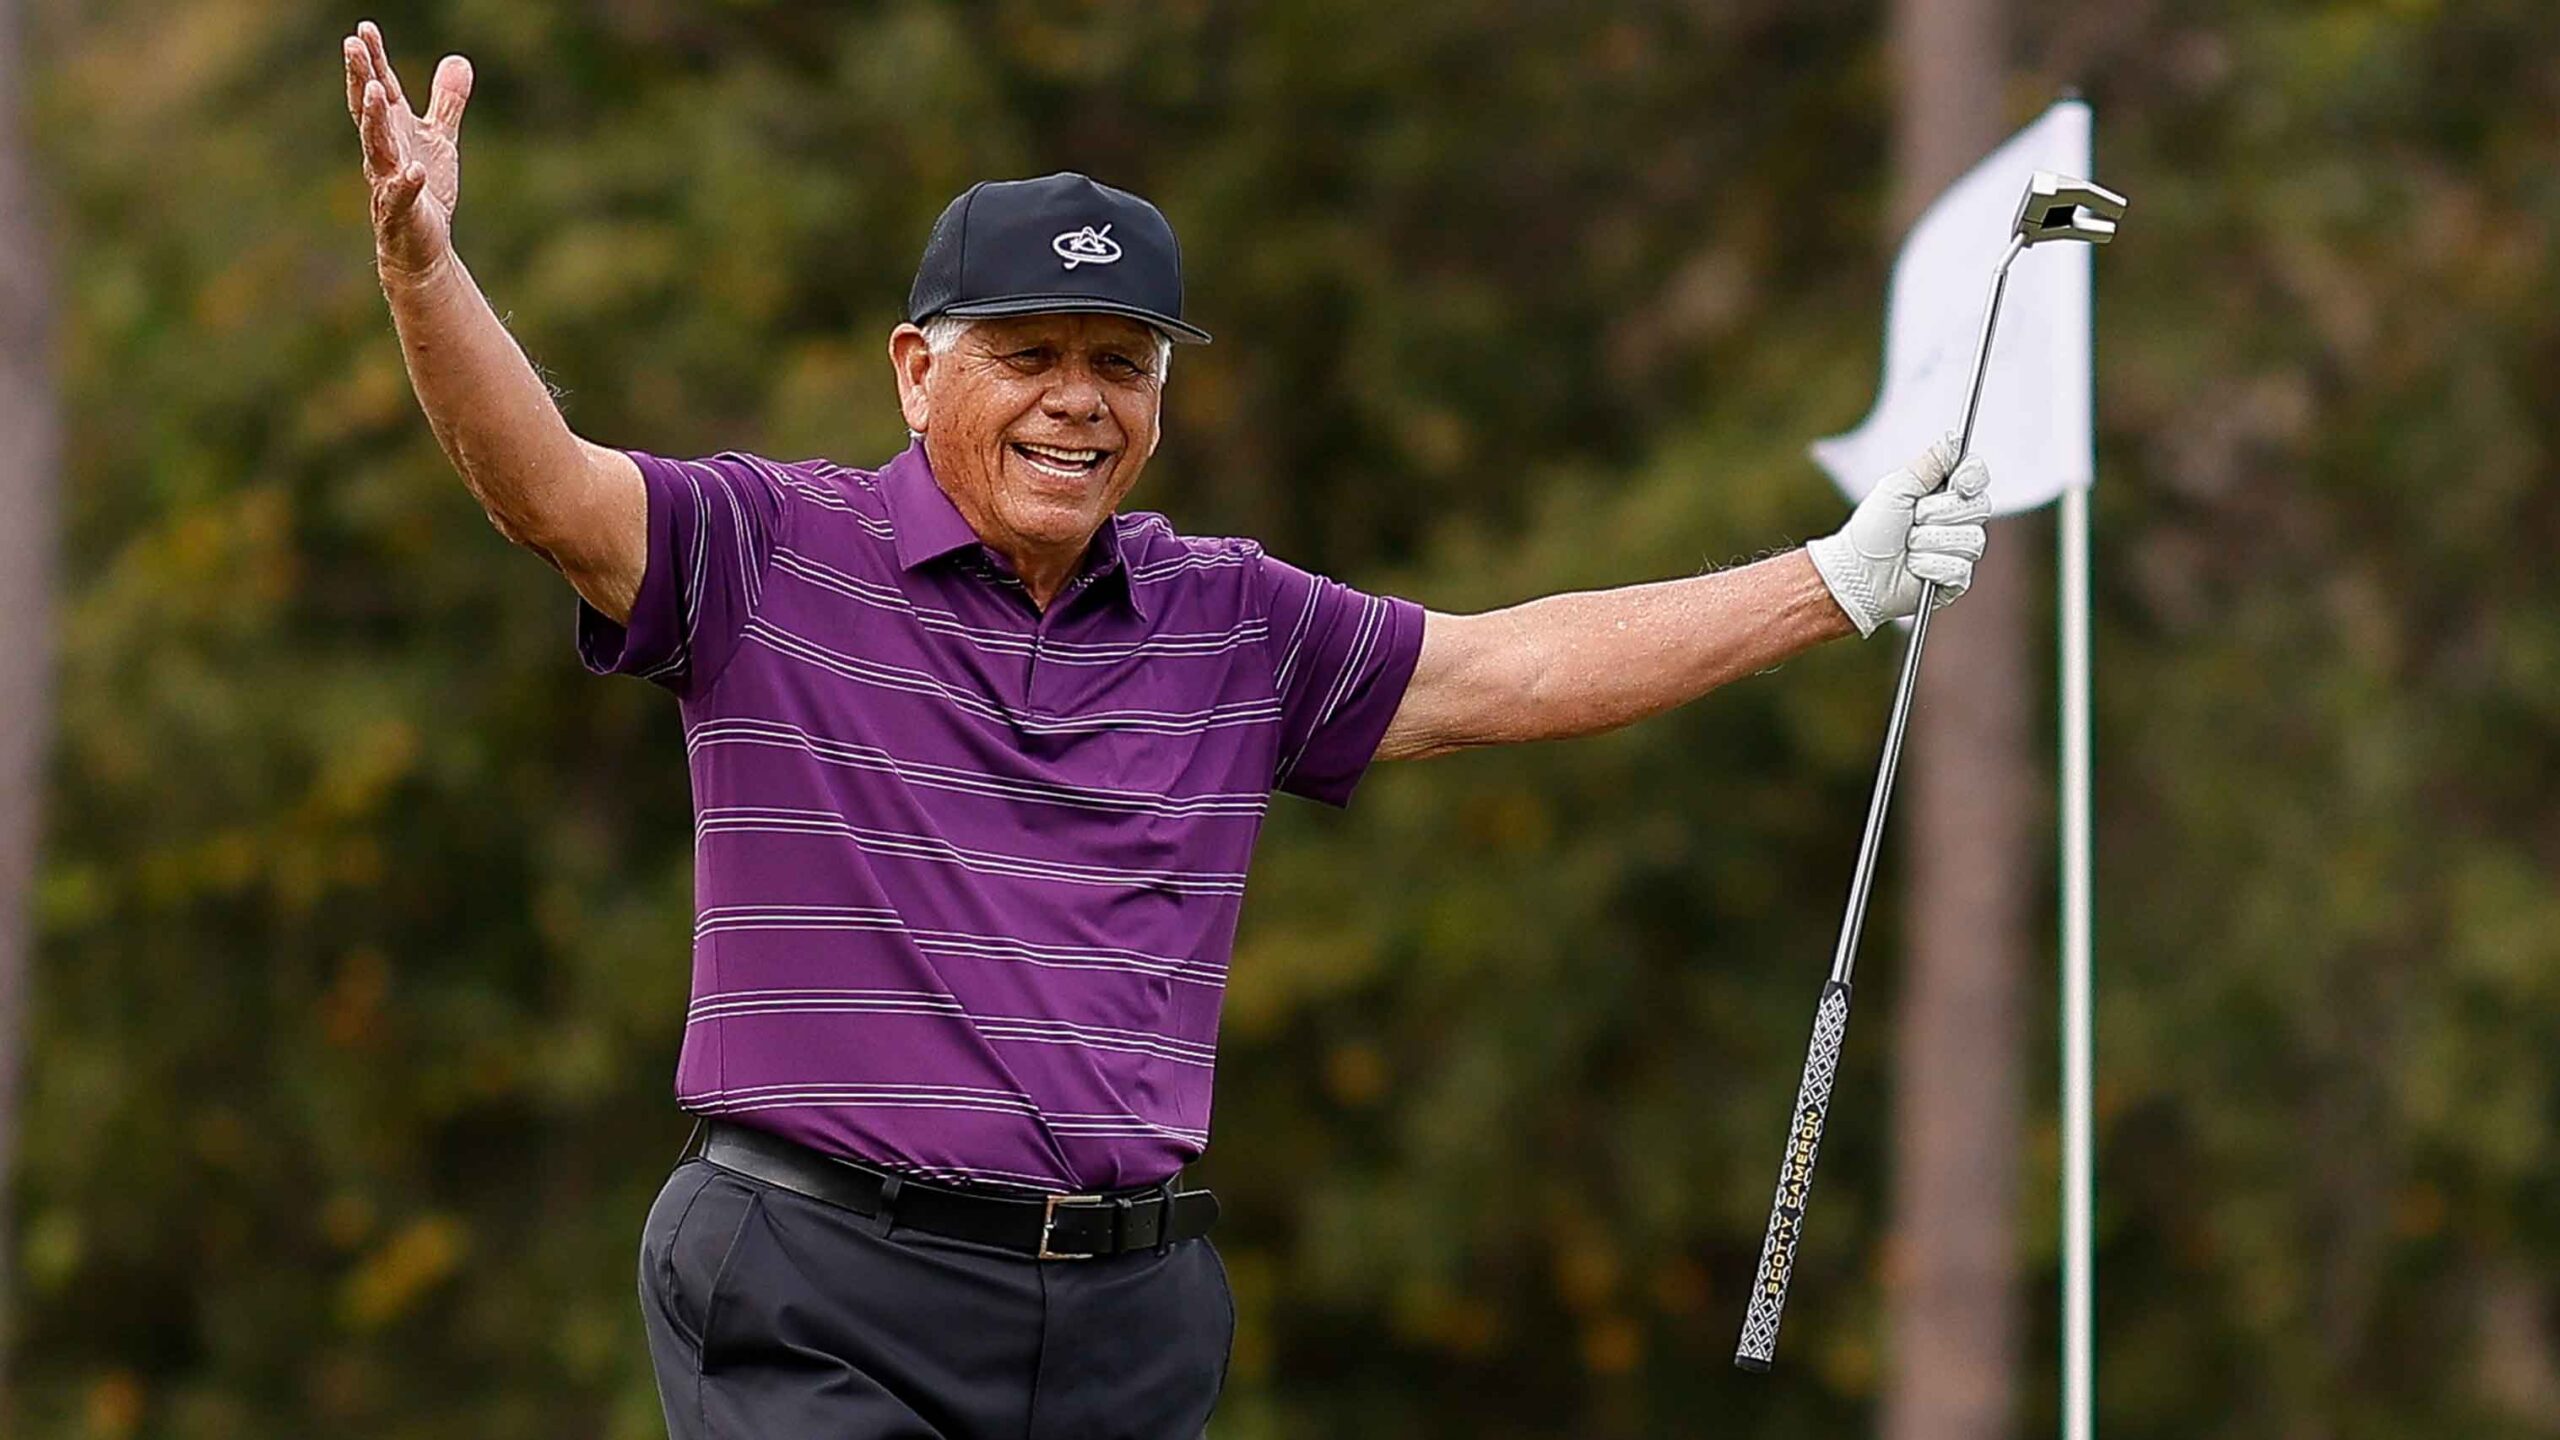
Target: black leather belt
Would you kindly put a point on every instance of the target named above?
(1050, 1227)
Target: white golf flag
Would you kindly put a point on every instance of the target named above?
(2034, 427)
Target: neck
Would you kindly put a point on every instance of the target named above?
(1044, 570)
(1042, 576)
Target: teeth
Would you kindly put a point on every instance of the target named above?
(1062, 456)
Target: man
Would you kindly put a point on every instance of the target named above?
(978, 760)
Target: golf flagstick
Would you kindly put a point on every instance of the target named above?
(2055, 207)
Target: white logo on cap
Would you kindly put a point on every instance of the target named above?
(1087, 246)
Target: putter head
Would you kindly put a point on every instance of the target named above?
(2064, 207)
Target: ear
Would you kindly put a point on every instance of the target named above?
(912, 359)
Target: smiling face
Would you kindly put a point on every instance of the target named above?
(1035, 425)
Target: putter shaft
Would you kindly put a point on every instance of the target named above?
(1862, 880)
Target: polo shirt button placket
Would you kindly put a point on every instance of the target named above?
(987, 566)
(1040, 635)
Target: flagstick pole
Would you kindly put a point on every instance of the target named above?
(2078, 1160)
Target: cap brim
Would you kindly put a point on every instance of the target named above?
(1073, 305)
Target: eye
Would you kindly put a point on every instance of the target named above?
(1030, 357)
(1121, 367)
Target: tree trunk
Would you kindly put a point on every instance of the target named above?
(1951, 1290)
(30, 449)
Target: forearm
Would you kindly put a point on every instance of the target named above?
(1581, 663)
(488, 408)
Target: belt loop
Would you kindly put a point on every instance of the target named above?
(890, 1185)
(693, 1140)
(1121, 1205)
(1164, 1214)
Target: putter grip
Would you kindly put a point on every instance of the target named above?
(1795, 1181)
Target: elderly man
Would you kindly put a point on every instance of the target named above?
(978, 760)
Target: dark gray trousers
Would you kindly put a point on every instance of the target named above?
(772, 1316)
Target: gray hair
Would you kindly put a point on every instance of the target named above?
(944, 331)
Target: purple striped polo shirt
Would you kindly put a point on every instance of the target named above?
(966, 875)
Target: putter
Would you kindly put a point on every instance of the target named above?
(2055, 207)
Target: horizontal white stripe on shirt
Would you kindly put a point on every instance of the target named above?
(1026, 1028)
(784, 735)
(931, 1097)
(956, 942)
(916, 682)
(1009, 642)
(750, 819)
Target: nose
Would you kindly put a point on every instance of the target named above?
(1075, 399)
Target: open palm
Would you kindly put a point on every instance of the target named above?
(413, 163)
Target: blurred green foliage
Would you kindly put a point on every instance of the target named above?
(364, 909)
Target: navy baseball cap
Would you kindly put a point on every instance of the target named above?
(1061, 242)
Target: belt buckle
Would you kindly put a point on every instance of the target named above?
(1049, 1223)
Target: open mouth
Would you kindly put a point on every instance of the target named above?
(1061, 461)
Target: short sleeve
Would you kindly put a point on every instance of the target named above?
(713, 525)
(1341, 662)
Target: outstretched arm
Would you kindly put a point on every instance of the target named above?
(1582, 663)
(579, 506)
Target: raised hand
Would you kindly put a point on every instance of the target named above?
(412, 162)
(1920, 526)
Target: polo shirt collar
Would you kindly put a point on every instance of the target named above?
(928, 527)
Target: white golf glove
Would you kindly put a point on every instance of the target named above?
(1908, 530)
